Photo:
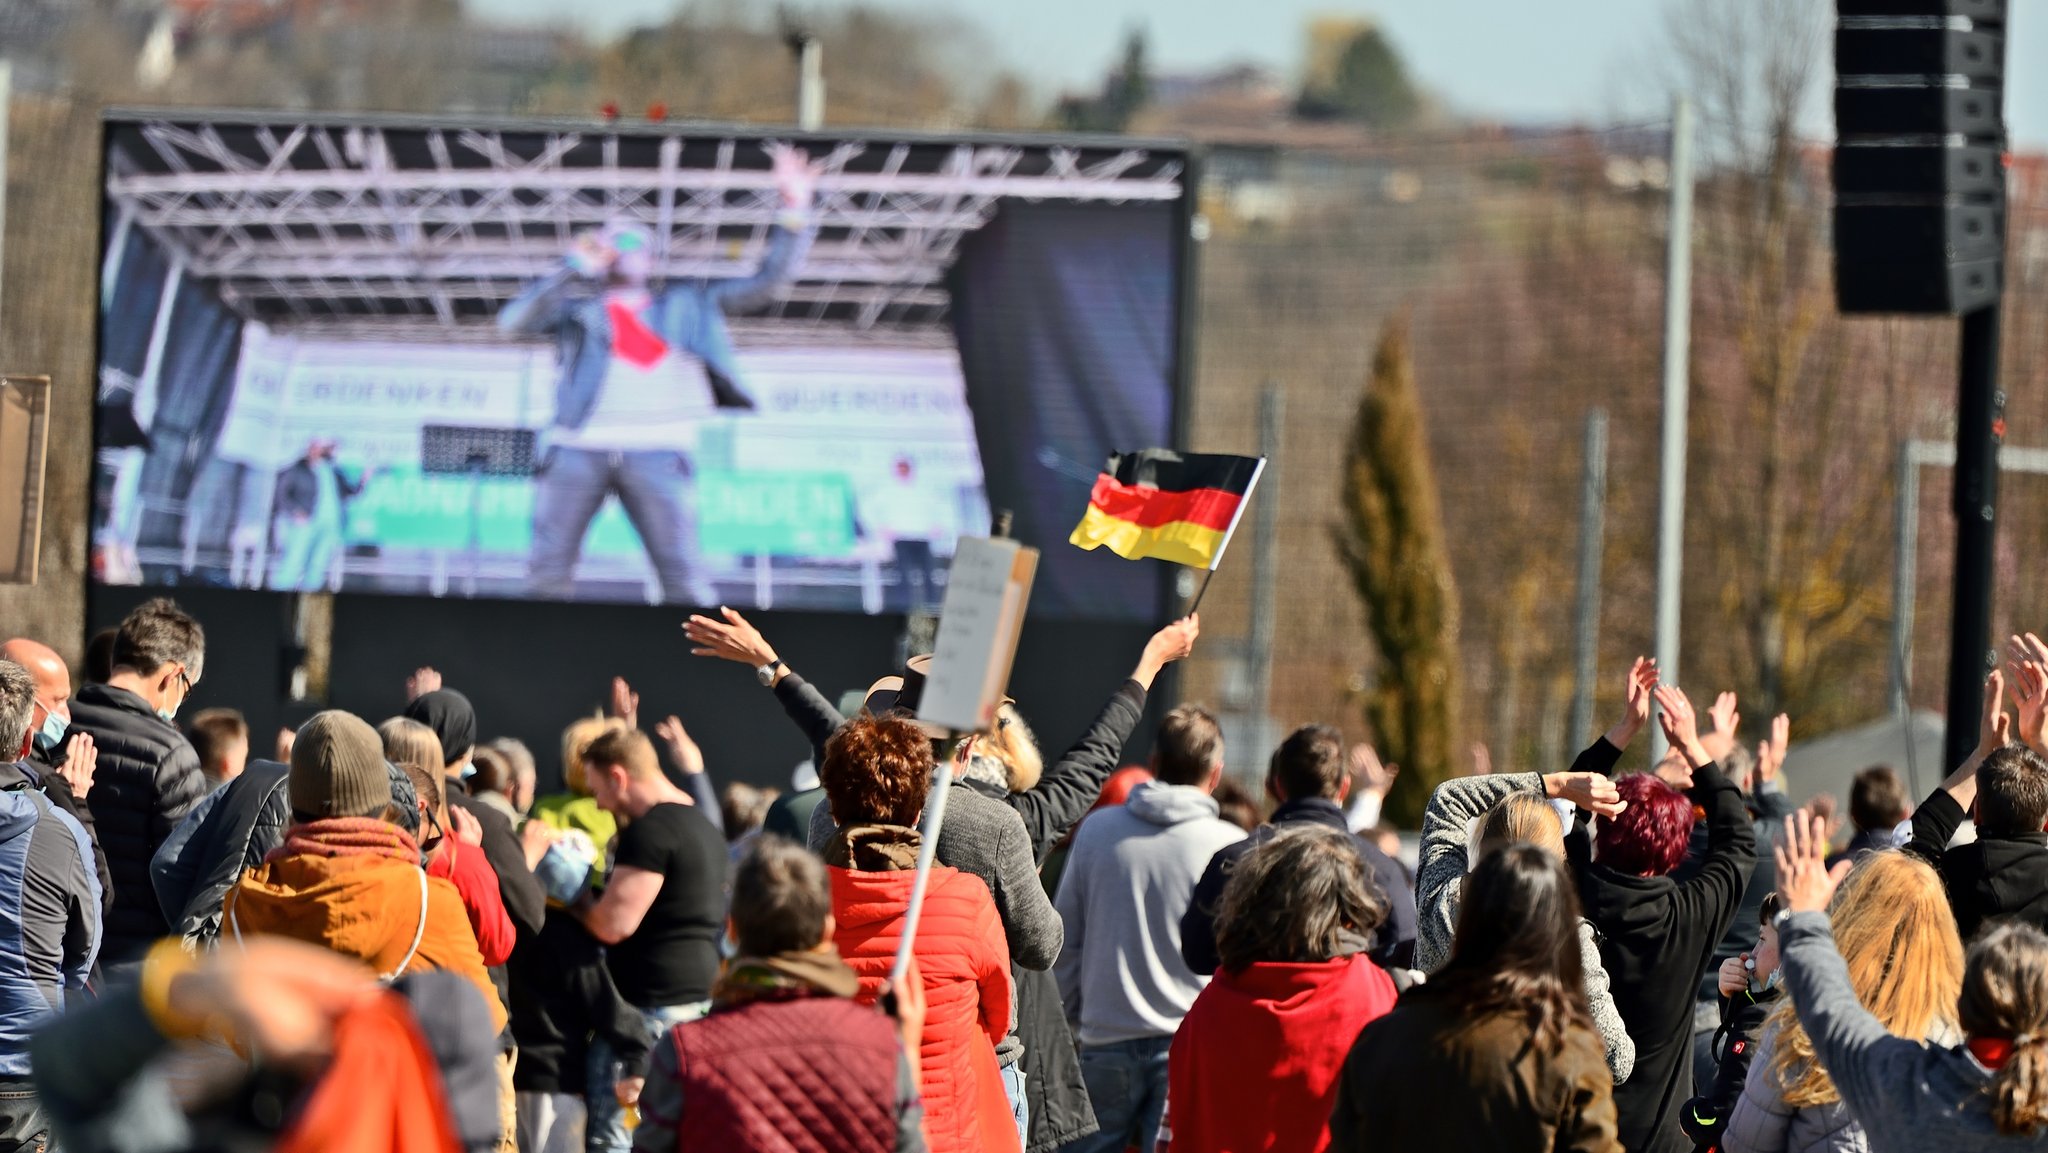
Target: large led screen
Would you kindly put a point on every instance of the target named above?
(686, 367)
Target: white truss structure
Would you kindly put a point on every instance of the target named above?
(334, 225)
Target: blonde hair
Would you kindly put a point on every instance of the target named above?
(1014, 744)
(1521, 817)
(414, 748)
(1898, 938)
(576, 742)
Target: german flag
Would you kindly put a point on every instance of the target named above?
(1179, 507)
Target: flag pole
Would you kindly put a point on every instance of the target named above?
(934, 818)
(1201, 592)
(1216, 561)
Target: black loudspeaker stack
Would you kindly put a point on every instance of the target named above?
(1919, 169)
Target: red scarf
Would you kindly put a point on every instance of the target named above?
(347, 837)
(632, 339)
(1991, 1052)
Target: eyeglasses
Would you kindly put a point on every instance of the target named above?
(429, 844)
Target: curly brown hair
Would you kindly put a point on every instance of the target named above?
(877, 771)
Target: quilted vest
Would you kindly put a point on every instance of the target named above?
(816, 1075)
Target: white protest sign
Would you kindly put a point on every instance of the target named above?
(987, 588)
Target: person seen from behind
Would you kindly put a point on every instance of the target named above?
(1308, 776)
(1496, 1053)
(878, 775)
(460, 860)
(348, 876)
(1128, 882)
(2003, 874)
(1657, 933)
(221, 738)
(662, 910)
(1255, 1062)
(787, 1059)
(1879, 810)
(1987, 1094)
(1894, 932)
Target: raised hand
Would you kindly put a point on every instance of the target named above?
(1593, 792)
(796, 174)
(681, 748)
(625, 703)
(1681, 725)
(81, 761)
(466, 827)
(1368, 774)
(1805, 883)
(2027, 675)
(730, 639)
(1722, 720)
(1482, 759)
(420, 683)
(1994, 726)
(1175, 642)
(1636, 694)
(1770, 752)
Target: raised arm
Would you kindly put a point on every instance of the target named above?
(1850, 1043)
(539, 308)
(1711, 895)
(733, 638)
(1936, 820)
(1446, 836)
(1069, 788)
(796, 180)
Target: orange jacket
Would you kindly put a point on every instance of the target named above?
(965, 961)
(362, 906)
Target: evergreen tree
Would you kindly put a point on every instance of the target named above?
(1371, 86)
(1391, 540)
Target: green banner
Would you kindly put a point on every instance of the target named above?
(791, 514)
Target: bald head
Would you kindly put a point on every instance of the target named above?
(52, 675)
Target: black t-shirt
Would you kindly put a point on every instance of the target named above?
(673, 957)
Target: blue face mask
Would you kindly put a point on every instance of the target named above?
(52, 733)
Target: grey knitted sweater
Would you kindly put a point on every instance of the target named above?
(1909, 1097)
(1440, 878)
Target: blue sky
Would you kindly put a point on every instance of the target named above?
(1580, 59)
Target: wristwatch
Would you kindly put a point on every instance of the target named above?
(766, 673)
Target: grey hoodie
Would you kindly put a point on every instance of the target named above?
(1128, 881)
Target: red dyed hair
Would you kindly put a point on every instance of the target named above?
(1648, 838)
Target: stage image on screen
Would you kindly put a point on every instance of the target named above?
(605, 365)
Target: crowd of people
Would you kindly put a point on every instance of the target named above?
(382, 938)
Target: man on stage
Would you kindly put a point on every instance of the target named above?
(643, 365)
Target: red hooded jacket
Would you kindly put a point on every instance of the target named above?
(964, 959)
(1255, 1064)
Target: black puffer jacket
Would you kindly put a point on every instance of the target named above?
(148, 778)
(228, 832)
